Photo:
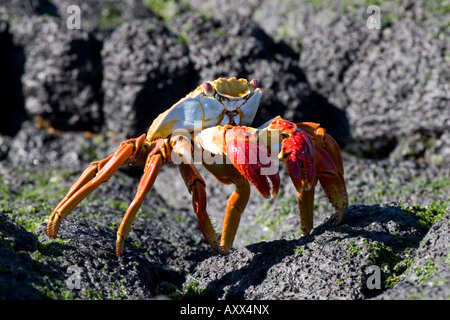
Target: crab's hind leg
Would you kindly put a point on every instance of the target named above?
(153, 164)
(97, 173)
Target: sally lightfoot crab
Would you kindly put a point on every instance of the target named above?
(211, 126)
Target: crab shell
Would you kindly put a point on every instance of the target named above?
(219, 102)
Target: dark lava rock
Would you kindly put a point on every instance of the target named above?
(100, 17)
(388, 88)
(163, 246)
(413, 97)
(96, 16)
(12, 59)
(18, 8)
(331, 263)
(427, 277)
(33, 147)
(62, 73)
(146, 70)
(16, 265)
(16, 235)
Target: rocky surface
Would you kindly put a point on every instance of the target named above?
(150, 66)
(71, 96)
(331, 263)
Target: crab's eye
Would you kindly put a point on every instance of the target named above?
(254, 83)
(208, 89)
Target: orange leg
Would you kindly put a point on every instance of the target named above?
(227, 174)
(235, 207)
(306, 206)
(152, 167)
(330, 167)
(97, 173)
(332, 182)
(196, 187)
(337, 194)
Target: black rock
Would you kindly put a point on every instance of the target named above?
(331, 263)
(146, 70)
(62, 74)
(12, 60)
(427, 276)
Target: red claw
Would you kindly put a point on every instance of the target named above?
(300, 160)
(298, 153)
(246, 155)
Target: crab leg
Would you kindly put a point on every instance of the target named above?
(85, 177)
(152, 167)
(196, 187)
(235, 207)
(332, 183)
(228, 174)
(306, 208)
(298, 154)
(330, 167)
(97, 173)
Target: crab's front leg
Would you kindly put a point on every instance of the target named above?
(314, 156)
(227, 174)
(298, 154)
(239, 144)
(330, 167)
(155, 159)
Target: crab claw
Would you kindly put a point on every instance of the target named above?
(246, 155)
(297, 151)
(299, 156)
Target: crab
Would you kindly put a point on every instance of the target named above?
(211, 125)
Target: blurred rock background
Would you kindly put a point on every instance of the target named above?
(68, 97)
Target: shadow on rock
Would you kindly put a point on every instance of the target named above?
(331, 263)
